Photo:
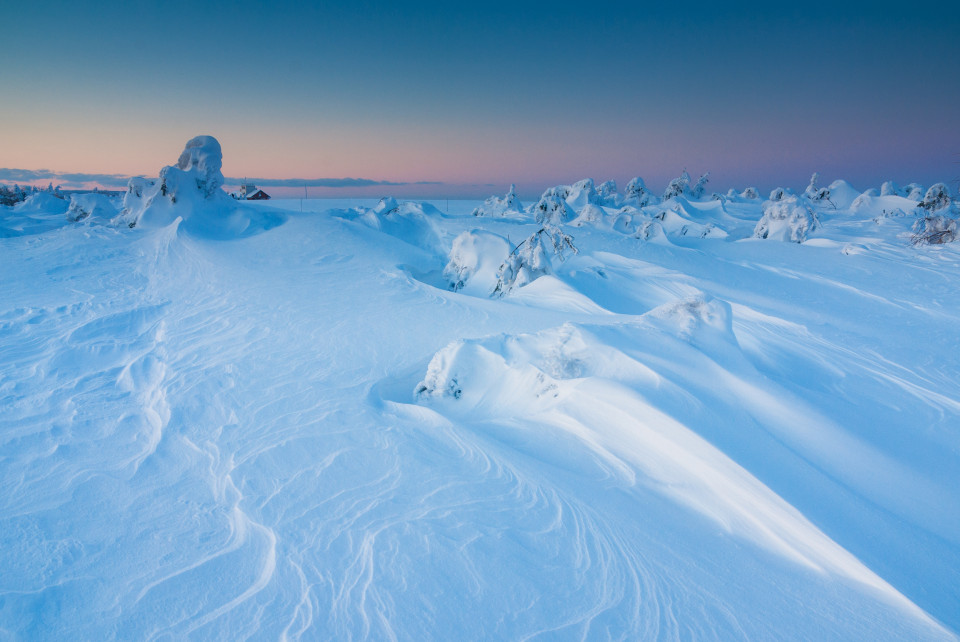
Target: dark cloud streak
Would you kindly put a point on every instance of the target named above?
(27, 176)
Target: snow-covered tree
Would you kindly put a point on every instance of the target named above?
(677, 186)
(751, 193)
(935, 230)
(701, 185)
(636, 190)
(530, 259)
(607, 193)
(936, 198)
(788, 219)
(552, 210)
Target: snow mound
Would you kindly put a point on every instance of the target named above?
(191, 191)
(409, 222)
(40, 212)
(786, 220)
(590, 215)
(41, 203)
(475, 258)
(842, 194)
(91, 207)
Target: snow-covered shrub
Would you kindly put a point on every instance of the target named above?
(751, 192)
(936, 198)
(90, 206)
(552, 210)
(701, 185)
(497, 206)
(474, 261)
(934, 230)
(530, 259)
(786, 220)
(677, 186)
(636, 190)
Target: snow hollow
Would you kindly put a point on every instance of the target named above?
(601, 414)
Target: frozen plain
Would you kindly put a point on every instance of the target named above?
(291, 427)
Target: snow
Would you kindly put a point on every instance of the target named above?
(241, 420)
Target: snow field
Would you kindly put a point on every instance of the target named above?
(296, 429)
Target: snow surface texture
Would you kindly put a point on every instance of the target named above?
(330, 429)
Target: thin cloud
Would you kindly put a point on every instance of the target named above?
(11, 175)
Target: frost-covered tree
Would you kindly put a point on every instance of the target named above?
(935, 230)
(636, 190)
(701, 185)
(789, 219)
(677, 186)
(751, 192)
(936, 198)
(552, 210)
(889, 188)
(530, 259)
(778, 194)
(812, 188)
(607, 193)
(497, 206)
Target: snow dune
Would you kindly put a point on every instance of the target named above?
(298, 430)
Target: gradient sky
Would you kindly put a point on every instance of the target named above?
(477, 96)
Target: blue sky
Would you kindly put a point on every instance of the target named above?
(470, 98)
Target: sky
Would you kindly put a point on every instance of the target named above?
(445, 99)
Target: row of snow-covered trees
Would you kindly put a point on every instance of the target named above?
(17, 194)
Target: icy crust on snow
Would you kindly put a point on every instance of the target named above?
(191, 192)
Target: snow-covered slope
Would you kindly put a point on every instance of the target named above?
(321, 425)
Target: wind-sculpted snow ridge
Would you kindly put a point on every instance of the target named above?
(192, 191)
(567, 390)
